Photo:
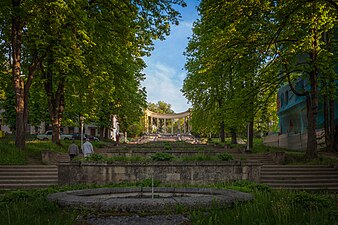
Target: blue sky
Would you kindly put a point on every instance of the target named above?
(165, 67)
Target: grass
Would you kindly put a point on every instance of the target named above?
(273, 207)
(10, 155)
(298, 158)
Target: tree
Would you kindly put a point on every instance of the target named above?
(16, 15)
(257, 44)
(60, 38)
(160, 107)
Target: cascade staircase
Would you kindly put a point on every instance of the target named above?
(265, 159)
(300, 177)
(28, 176)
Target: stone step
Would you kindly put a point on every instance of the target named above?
(29, 181)
(5, 167)
(272, 168)
(300, 181)
(298, 176)
(28, 176)
(4, 186)
(309, 189)
(304, 172)
(297, 166)
(28, 173)
(301, 185)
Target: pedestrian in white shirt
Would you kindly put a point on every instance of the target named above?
(87, 148)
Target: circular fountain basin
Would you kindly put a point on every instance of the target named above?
(147, 199)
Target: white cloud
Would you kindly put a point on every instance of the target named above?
(163, 83)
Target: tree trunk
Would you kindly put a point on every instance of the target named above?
(332, 127)
(222, 133)
(18, 82)
(327, 123)
(101, 130)
(56, 130)
(312, 102)
(106, 133)
(233, 137)
(250, 136)
(311, 135)
(55, 105)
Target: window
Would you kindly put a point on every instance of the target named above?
(286, 97)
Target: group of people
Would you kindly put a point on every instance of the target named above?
(87, 149)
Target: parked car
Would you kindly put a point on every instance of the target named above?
(77, 136)
(48, 136)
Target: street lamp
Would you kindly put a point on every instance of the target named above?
(81, 124)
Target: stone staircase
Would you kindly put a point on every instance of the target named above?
(300, 177)
(28, 176)
(265, 159)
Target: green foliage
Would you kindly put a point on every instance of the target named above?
(242, 51)
(148, 183)
(10, 155)
(249, 185)
(197, 157)
(161, 156)
(225, 156)
(269, 207)
(95, 158)
(276, 207)
(311, 201)
(167, 146)
(160, 107)
(85, 55)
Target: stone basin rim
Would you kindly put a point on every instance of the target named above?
(89, 198)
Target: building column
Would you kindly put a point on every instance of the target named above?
(188, 124)
(165, 125)
(151, 124)
(185, 124)
(179, 125)
(172, 126)
(157, 124)
(146, 123)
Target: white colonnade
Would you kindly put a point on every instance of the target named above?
(159, 123)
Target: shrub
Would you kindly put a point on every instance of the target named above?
(95, 157)
(148, 183)
(311, 201)
(167, 146)
(225, 156)
(162, 156)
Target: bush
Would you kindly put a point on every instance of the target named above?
(225, 156)
(148, 183)
(167, 146)
(162, 156)
(311, 201)
(95, 157)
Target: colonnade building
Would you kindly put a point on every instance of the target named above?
(167, 123)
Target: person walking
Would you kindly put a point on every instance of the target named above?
(73, 150)
(87, 148)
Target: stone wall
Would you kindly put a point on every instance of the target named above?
(149, 152)
(166, 172)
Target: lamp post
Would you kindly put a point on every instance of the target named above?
(81, 124)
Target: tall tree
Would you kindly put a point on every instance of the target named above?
(261, 41)
(16, 16)
(160, 107)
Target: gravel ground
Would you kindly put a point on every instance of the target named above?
(137, 220)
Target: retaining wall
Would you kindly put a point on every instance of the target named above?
(166, 172)
(150, 152)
